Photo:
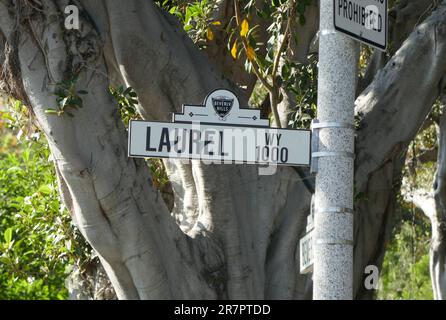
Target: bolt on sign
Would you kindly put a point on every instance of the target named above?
(364, 20)
(219, 131)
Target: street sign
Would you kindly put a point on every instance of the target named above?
(364, 20)
(221, 132)
(306, 253)
(306, 243)
(310, 217)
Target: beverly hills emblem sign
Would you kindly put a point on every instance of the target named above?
(222, 106)
(219, 131)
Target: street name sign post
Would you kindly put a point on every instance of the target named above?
(364, 20)
(219, 131)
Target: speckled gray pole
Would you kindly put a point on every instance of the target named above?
(333, 235)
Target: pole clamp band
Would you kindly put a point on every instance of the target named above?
(342, 210)
(322, 125)
(316, 125)
(333, 242)
(323, 154)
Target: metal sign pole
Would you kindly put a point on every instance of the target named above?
(333, 233)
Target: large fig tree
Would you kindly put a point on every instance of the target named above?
(232, 232)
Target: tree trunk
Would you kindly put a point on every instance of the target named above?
(392, 109)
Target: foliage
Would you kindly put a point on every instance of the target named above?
(127, 101)
(365, 55)
(195, 17)
(260, 57)
(405, 271)
(67, 97)
(38, 244)
(159, 174)
(301, 79)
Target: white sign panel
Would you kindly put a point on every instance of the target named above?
(222, 132)
(364, 20)
(310, 217)
(306, 253)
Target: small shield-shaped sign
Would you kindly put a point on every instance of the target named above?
(222, 105)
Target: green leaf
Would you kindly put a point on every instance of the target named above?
(126, 91)
(51, 111)
(45, 189)
(14, 170)
(8, 235)
(26, 155)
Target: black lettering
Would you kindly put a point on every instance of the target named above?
(284, 155)
(267, 138)
(206, 143)
(222, 153)
(194, 138)
(148, 148)
(350, 10)
(279, 136)
(164, 140)
(363, 16)
(177, 140)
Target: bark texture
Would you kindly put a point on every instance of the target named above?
(391, 116)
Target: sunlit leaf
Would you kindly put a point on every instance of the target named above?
(244, 28)
(209, 34)
(8, 235)
(250, 53)
(45, 189)
(14, 170)
(234, 50)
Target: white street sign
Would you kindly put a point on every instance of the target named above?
(364, 20)
(306, 253)
(222, 132)
(310, 217)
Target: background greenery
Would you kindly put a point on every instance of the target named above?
(38, 244)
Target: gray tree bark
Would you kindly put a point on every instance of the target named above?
(378, 168)
(225, 237)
